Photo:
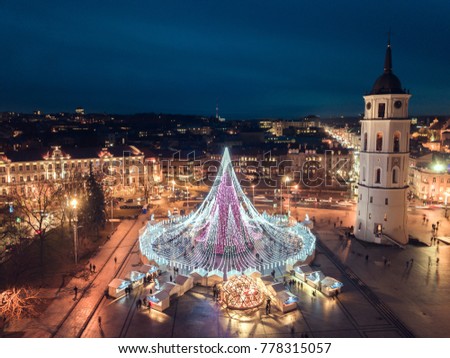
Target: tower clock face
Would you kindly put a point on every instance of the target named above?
(398, 104)
(369, 105)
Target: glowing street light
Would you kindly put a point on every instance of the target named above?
(74, 204)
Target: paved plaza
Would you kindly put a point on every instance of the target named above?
(378, 300)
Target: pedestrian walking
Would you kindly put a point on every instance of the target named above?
(429, 261)
(367, 257)
(100, 321)
(170, 278)
(437, 261)
(75, 291)
(115, 260)
(412, 261)
(93, 268)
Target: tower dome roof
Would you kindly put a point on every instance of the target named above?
(387, 83)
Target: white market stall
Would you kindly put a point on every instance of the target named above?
(214, 277)
(301, 272)
(149, 270)
(185, 283)
(330, 286)
(135, 277)
(117, 286)
(171, 288)
(159, 301)
(286, 301)
(275, 288)
(253, 273)
(200, 276)
(314, 279)
(267, 280)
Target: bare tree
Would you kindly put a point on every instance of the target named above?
(39, 207)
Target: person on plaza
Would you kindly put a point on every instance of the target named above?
(429, 261)
(407, 264)
(100, 321)
(412, 261)
(90, 267)
(115, 260)
(367, 257)
(93, 268)
(170, 278)
(75, 291)
(437, 261)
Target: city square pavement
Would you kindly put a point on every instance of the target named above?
(377, 300)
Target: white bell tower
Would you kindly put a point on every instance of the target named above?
(383, 178)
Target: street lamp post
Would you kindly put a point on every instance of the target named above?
(281, 196)
(187, 199)
(74, 203)
(112, 208)
(446, 194)
(289, 199)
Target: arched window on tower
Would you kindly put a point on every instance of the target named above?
(397, 142)
(379, 143)
(365, 141)
(378, 176)
(395, 175)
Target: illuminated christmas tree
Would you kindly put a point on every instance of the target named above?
(227, 232)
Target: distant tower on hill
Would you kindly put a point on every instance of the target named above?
(383, 179)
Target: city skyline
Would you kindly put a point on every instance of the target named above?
(254, 59)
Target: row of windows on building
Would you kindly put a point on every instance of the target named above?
(379, 142)
(377, 177)
(73, 164)
(434, 180)
(386, 201)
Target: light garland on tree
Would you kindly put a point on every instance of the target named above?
(227, 233)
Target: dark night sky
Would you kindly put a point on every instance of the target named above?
(258, 58)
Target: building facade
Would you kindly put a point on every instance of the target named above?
(126, 169)
(384, 158)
